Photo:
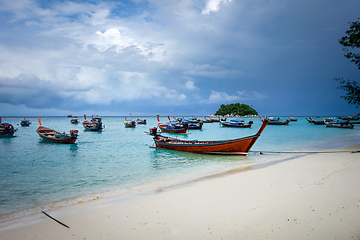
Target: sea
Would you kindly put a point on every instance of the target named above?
(36, 175)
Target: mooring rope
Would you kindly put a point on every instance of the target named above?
(337, 151)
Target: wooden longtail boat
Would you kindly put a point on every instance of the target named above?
(6, 129)
(25, 123)
(276, 121)
(237, 123)
(315, 122)
(207, 120)
(339, 124)
(74, 120)
(95, 124)
(55, 136)
(129, 124)
(140, 121)
(173, 127)
(239, 146)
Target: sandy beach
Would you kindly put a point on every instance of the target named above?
(314, 196)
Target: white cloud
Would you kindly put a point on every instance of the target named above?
(213, 6)
(190, 85)
(216, 97)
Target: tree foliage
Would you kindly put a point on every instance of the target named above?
(352, 89)
(236, 109)
(351, 41)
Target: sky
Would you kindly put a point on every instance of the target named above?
(174, 57)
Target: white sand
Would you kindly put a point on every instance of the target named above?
(316, 196)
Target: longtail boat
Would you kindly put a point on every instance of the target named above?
(173, 127)
(129, 123)
(55, 136)
(6, 129)
(338, 124)
(94, 124)
(140, 121)
(237, 123)
(276, 121)
(25, 122)
(239, 146)
(315, 122)
(74, 120)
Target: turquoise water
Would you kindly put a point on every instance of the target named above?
(37, 175)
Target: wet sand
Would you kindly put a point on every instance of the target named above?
(315, 196)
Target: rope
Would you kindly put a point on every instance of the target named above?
(339, 151)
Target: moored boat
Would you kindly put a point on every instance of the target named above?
(56, 137)
(173, 127)
(94, 124)
(239, 146)
(129, 124)
(315, 122)
(6, 129)
(292, 119)
(338, 124)
(74, 120)
(25, 122)
(237, 123)
(140, 121)
(276, 121)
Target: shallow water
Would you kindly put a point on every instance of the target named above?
(37, 175)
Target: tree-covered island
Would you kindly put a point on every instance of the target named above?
(236, 109)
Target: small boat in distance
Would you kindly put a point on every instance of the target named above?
(6, 129)
(237, 123)
(25, 123)
(315, 122)
(173, 127)
(140, 121)
(95, 124)
(56, 137)
(292, 119)
(74, 120)
(129, 124)
(275, 121)
(338, 124)
(239, 146)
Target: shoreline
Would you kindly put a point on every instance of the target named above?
(265, 202)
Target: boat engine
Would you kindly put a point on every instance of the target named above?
(153, 132)
(74, 133)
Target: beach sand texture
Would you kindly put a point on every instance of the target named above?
(315, 196)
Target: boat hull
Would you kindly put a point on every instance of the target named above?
(227, 124)
(44, 134)
(239, 146)
(168, 130)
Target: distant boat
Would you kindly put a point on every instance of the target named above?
(350, 117)
(25, 123)
(237, 123)
(239, 146)
(129, 124)
(292, 119)
(173, 127)
(338, 124)
(95, 124)
(69, 115)
(140, 121)
(315, 122)
(6, 129)
(55, 136)
(207, 120)
(276, 121)
(74, 120)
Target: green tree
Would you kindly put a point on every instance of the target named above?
(351, 41)
(237, 109)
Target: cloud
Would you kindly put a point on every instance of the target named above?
(213, 6)
(219, 97)
(190, 85)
